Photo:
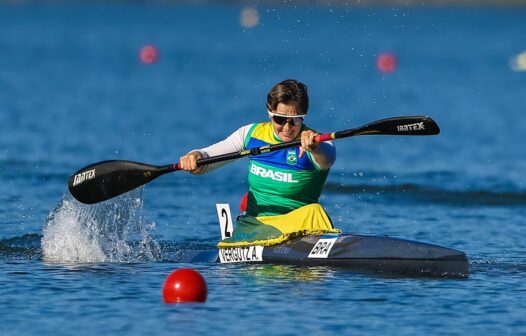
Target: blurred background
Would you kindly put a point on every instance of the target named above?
(148, 81)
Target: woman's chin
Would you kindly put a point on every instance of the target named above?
(286, 137)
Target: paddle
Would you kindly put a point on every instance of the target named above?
(106, 179)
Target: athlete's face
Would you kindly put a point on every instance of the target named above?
(290, 129)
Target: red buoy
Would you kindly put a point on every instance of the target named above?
(184, 285)
(386, 62)
(243, 204)
(148, 54)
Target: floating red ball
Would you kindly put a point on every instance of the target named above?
(386, 62)
(149, 54)
(184, 285)
(243, 203)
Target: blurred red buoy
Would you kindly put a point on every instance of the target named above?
(386, 62)
(184, 285)
(244, 202)
(148, 54)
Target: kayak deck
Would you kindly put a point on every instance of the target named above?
(378, 254)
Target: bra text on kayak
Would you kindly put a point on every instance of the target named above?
(84, 176)
(322, 248)
(411, 127)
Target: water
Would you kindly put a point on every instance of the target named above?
(73, 92)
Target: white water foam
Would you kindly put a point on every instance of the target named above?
(112, 231)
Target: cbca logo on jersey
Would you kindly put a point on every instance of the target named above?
(274, 175)
(292, 159)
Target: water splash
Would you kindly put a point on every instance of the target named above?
(112, 231)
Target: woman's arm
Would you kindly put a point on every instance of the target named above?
(233, 143)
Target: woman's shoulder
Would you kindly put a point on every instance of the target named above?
(263, 131)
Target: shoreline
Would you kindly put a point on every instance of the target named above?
(285, 3)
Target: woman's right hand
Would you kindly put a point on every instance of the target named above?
(189, 162)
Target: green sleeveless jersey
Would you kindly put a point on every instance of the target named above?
(280, 181)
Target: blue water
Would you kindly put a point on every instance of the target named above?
(73, 92)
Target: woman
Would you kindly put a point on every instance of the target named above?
(284, 186)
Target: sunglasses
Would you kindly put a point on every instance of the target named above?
(282, 119)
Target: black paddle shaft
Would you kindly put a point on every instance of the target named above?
(106, 179)
(417, 125)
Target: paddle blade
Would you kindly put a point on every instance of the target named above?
(103, 180)
(411, 125)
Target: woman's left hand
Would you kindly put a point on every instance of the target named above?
(307, 141)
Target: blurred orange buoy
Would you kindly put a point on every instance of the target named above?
(518, 63)
(148, 54)
(249, 17)
(184, 285)
(386, 62)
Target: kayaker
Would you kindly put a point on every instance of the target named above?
(284, 186)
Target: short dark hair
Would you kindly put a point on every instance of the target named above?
(289, 92)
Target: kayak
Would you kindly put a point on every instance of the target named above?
(107, 179)
(366, 253)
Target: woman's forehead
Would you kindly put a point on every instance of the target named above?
(287, 109)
